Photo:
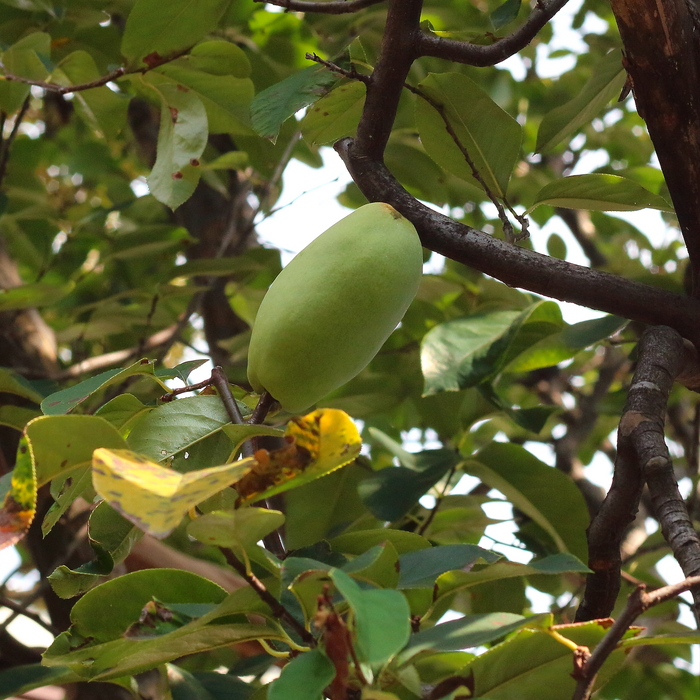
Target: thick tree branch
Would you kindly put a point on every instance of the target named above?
(519, 267)
(476, 55)
(642, 456)
(397, 53)
(639, 602)
(339, 7)
(662, 57)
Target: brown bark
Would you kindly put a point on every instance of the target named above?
(662, 55)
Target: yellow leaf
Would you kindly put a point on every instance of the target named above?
(319, 443)
(153, 497)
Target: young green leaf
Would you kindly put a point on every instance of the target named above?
(155, 31)
(606, 82)
(303, 678)
(181, 140)
(334, 115)
(382, 625)
(274, 105)
(599, 192)
(490, 136)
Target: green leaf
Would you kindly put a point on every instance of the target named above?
(226, 98)
(468, 631)
(105, 612)
(606, 83)
(505, 14)
(64, 492)
(60, 444)
(361, 541)
(175, 426)
(660, 639)
(18, 680)
(274, 105)
(111, 537)
(335, 115)
(532, 664)
(452, 581)
(125, 656)
(378, 566)
(66, 400)
(468, 351)
(218, 58)
(303, 678)
(17, 417)
(420, 569)
(206, 685)
(28, 58)
(240, 528)
(28, 295)
(181, 371)
(543, 493)
(566, 344)
(532, 419)
(121, 410)
(233, 160)
(13, 383)
(599, 192)
(556, 247)
(181, 141)
(391, 492)
(155, 32)
(382, 624)
(100, 107)
(336, 505)
(490, 136)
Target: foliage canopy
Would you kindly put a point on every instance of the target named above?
(179, 537)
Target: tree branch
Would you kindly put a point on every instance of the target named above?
(639, 602)
(65, 89)
(396, 55)
(642, 456)
(7, 143)
(475, 55)
(662, 57)
(338, 7)
(519, 267)
(21, 610)
(278, 610)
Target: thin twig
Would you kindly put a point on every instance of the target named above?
(273, 541)
(638, 602)
(187, 388)
(438, 502)
(20, 610)
(65, 89)
(510, 235)
(262, 198)
(220, 381)
(278, 610)
(262, 409)
(350, 73)
(339, 7)
(7, 143)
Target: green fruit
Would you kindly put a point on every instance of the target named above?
(332, 308)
